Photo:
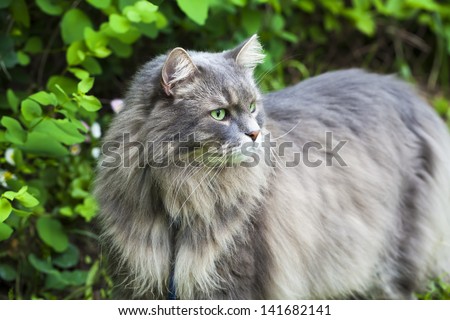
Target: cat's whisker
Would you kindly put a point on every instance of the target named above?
(198, 185)
(290, 130)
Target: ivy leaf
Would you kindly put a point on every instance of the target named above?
(52, 233)
(5, 231)
(30, 109)
(5, 209)
(196, 10)
(73, 24)
(15, 132)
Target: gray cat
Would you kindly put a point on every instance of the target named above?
(337, 187)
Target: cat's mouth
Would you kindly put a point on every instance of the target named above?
(230, 154)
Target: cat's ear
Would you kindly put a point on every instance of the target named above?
(249, 53)
(178, 66)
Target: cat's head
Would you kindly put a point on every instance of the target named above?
(201, 97)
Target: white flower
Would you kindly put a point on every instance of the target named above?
(117, 105)
(95, 152)
(75, 149)
(5, 176)
(96, 130)
(9, 156)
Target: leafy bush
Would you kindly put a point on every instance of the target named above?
(61, 61)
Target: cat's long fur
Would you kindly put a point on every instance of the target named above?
(376, 227)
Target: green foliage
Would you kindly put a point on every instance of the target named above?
(62, 62)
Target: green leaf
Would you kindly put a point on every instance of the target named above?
(50, 7)
(33, 45)
(132, 14)
(27, 200)
(61, 130)
(66, 211)
(13, 101)
(146, 10)
(85, 85)
(15, 132)
(89, 103)
(119, 23)
(125, 3)
(76, 53)
(43, 266)
(68, 258)
(30, 109)
(196, 10)
(73, 24)
(42, 144)
(7, 272)
(121, 49)
(44, 98)
(4, 3)
(68, 85)
(79, 73)
(277, 23)
(10, 195)
(366, 24)
(61, 280)
(239, 3)
(92, 65)
(97, 42)
(5, 209)
(100, 4)
(307, 5)
(429, 5)
(52, 233)
(5, 231)
(23, 58)
(251, 21)
(150, 30)
(88, 209)
(20, 13)
(22, 213)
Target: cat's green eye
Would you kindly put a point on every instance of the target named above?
(252, 107)
(218, 114)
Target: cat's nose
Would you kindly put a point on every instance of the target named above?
(253, 134)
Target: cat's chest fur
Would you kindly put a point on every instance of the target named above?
(213, 226)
